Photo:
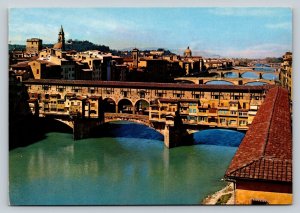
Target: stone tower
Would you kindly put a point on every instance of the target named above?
(61, 40)
(135, 57)
(33, 46)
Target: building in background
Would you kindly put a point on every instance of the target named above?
(285, 75)
(33, 46)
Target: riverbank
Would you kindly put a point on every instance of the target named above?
(224, 196)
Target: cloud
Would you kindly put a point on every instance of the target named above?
(280, 26)
(258, 51)
(247, 11)
(47, 32)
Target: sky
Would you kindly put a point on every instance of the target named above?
(224, 31)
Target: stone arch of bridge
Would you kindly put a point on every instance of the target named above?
(109, 105)
(125, 105)
(186, 81)
(134, 120)
(250, 82)
(98, 129)
(254, 72)
(67, 122)
(232, 83)
(142, 106)
(216, 73)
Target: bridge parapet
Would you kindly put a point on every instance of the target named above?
(144, 119)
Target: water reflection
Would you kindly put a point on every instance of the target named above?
(220, 137)
(117, 170)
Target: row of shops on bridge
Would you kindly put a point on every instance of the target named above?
(215, 113)
(225, 114)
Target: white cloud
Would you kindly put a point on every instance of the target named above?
(47, 32)
(245, 11)
(258, 51)
(281, 26)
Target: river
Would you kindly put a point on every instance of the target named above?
(129, 165)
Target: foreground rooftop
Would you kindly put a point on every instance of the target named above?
(266, 150)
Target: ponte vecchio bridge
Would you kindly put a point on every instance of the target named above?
(169, 108)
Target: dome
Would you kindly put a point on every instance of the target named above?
(58, 45)
(188, 52)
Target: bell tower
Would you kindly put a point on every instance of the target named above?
(61, 38)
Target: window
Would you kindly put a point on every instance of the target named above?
(37, 71)
(201, 119)
(243, 114)
(243, 122)
(222, 120)
(160, 93)
(192, 110)
(46, 87)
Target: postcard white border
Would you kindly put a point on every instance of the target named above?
(5, 4)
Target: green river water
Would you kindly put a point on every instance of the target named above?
(123, 169)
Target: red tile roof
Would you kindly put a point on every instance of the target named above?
(266, 150)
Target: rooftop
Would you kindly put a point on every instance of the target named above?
(150, 85)
(266, 150)
(34, 39)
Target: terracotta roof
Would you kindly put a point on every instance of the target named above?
(70, 94)
(266, 150)
(20, 64)
(150, 85)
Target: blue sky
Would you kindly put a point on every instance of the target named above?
(228, 32)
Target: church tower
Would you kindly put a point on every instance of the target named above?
(61, 40)
(61, 37)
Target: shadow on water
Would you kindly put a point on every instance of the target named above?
(33, 129)
(219, 137)
(126, 130)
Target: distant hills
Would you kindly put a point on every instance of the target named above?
(77, 45)
(81, 46)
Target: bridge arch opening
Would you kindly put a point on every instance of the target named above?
(219, 82)
(109, 105)
(126, 129)
(142, 107)
(125, 106)
(252, 75)
(219, 137)
(215, 74)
